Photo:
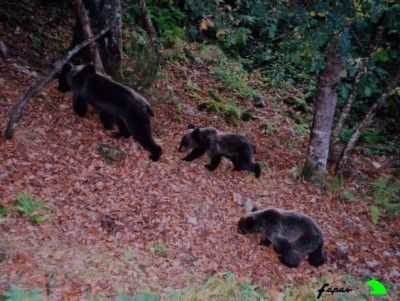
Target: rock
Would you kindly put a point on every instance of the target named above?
(21, 69)
(347, 220)
(249, 205)
(395, 273)
(192, 220)
(190, 112)
(237, 198)
(342, 248)
(373, 263)
(291, 132)
(258, 101)
(111, 153)
(376, 164)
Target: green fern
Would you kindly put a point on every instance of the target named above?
(19, 294)
(375, 214)
(334, 185)
(387, 194)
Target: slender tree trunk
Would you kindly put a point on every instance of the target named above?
(325, 103)
(87, 32)
(342, 119)
(110, 46)
(151, 29)
(374, 40)
(344, 156)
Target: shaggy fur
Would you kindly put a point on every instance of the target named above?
(216, 144)
(293, 235)
(116, 103)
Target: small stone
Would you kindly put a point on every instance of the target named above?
(342, 248)
(237, 198)
(249, 205)
(291, 132)
(348, 221)
(192, 220)
(373, 263)
(258, 101)
(376, 164)
(190, 112)
(395, 273)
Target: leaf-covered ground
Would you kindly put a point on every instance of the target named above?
(136, 225)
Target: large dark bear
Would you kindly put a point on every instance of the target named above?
(293, 235)
(115, 102)
(216, 144)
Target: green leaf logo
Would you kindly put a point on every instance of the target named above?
(377, 287)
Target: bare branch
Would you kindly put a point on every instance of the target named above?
(367, 119)
(16, 110)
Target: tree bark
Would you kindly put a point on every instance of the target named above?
(343, 117)
(17, 108)
(151, 29)
(87, 32)
(110, 46)
(344, 156)
(325, 103)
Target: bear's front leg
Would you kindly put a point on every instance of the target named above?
(214, 163)
(194, 154)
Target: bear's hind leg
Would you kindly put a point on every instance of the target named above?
(290, 258)
(107, 120)
(122, 130)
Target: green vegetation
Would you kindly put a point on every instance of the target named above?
(160, 249)
(18, 294)
(29, 207)
(3, 211)
(386, 194)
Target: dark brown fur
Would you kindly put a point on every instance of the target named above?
(115, 102)
(216, 144)
(293, 235)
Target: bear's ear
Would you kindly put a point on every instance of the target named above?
(88, 69)
(196, 135)
(254, 209)
(191, 126)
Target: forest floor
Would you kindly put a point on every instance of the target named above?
(139, 226)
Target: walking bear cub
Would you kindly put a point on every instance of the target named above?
(216, 144)
(293, 235)
(116, 103)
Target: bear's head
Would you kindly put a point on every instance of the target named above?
(63, 84)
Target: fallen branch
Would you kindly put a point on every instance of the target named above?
(16, 110)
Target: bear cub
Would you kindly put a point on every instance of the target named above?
(216, 144)
(116, 103)
(293, 235)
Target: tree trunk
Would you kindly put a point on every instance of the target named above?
(342, 119)
(109, 46)
(151, 29)
(344, 156)
(325, 103)
(87, 32)
(374, 40)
